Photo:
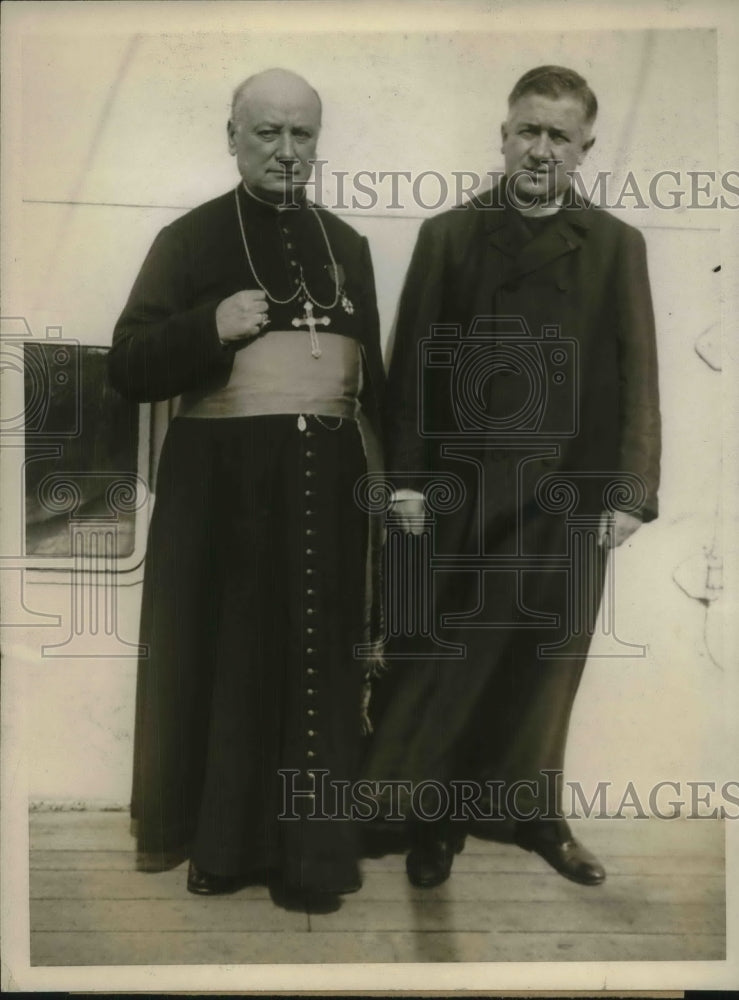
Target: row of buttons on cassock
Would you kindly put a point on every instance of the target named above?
(311, 651)
(290, 246)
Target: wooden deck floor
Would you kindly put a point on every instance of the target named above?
(663, 900)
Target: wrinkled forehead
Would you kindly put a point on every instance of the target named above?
(564, 112)
(279, 104)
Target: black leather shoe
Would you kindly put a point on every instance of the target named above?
(553, 841)
(204, 884)
(429, 862)
(304, 900)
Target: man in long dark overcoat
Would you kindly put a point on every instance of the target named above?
(524, 380)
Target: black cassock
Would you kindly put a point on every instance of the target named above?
(255, 589)
(524, 371)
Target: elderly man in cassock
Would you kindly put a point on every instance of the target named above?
(524, 367)
(258, 311)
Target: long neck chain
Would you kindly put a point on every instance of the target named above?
(302, 287)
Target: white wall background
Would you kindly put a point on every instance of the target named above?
(121, 132)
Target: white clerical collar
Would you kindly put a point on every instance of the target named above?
(541, 211)
(299, 195)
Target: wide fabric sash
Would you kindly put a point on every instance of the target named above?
(277, 374)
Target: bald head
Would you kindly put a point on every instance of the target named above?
(272, 84)
(273, 132)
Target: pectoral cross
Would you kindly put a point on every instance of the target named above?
(312, 322)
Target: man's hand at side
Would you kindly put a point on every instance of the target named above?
(411, 512)
(616, 527)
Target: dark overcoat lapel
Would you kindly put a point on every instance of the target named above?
(515, 253)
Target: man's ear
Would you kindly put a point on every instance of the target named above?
(503, 133)
(586, 147)
(231, 133)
